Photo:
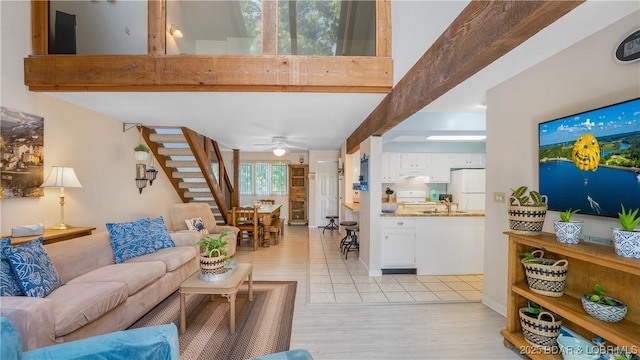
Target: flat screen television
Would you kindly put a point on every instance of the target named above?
(591, 160)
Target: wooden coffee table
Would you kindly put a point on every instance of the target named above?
(227, 287)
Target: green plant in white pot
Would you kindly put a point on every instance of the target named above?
(141, 152)
(568, 231)
(526, 212)
(627, 239)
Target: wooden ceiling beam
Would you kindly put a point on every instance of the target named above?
(483, 32)
(365, 74)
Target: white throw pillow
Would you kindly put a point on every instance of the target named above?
(197, 224)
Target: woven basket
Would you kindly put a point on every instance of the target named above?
(540, 332)
(211, 265)
(545, 276)
(527, 219)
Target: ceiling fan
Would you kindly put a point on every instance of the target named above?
(280, 145)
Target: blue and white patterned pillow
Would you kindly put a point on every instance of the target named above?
(8, 283)
(130, 239)
(36, 274)
(160, 235)
(197, 224)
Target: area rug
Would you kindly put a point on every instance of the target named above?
(263, 326)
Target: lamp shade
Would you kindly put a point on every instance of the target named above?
(61, 177)
(279, 151)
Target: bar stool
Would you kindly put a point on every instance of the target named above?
(344, 224)
(352, 244)
(331, 225)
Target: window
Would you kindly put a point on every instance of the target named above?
(263, 178)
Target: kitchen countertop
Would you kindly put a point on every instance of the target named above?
(352, 206)
(408, 212)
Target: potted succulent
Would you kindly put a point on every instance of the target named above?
(526, 212)
(603, 307)
(539, 327)
(213, 255)
(141, 152)
(627, 239)
(567, 231)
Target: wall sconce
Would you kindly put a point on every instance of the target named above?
(61, 177)
(143, 175)
(175, 31)
(151, 174)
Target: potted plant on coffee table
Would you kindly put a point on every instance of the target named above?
(567, 231)
(526, 212)
(213, 254)
(603, 307)
(141, 152)
(627, 239)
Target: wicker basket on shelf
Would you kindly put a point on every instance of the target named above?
(545, 276)
(542, 330)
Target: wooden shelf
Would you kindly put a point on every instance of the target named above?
(589, 264)
(517, 340)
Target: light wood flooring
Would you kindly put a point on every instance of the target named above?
(395, 328)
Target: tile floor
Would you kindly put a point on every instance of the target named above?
(334, 280)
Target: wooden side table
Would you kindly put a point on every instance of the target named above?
(53, 235)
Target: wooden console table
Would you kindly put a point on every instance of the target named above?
(52, 235)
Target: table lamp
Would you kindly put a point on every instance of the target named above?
(61, 177)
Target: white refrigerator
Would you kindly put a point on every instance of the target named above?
(467, 188)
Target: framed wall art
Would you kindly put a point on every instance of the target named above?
(21, 154)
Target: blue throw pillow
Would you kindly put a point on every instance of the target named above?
(160, 235)
(8, 282)
(36, 274)
(130, 239)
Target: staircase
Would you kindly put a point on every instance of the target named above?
(194, 165)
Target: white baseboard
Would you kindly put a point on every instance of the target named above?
(496, 306)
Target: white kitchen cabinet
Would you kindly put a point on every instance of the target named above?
(398, 243)
(467, 160)
(440, 171)
(390, 167)
(415, 163)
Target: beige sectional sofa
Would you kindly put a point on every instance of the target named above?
(99, 296)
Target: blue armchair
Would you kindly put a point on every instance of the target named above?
(155, 342)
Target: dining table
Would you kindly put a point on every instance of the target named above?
(267, 214)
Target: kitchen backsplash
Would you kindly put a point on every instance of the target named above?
(413, 184)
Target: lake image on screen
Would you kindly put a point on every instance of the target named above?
(591, 161)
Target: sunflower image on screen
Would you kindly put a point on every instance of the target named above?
(586, 153)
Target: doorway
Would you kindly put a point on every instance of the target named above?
(326, 191)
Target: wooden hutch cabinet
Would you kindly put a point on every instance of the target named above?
(298, 189)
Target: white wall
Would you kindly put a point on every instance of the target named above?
(93, 144)
(582, 77)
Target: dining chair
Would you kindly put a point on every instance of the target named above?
(277, 224)
(247, 220)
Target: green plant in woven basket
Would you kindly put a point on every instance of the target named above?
(629, 219)
(532, 309)
(215, 244)
(519, 197)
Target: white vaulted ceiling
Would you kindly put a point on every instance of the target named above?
(323, 121)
